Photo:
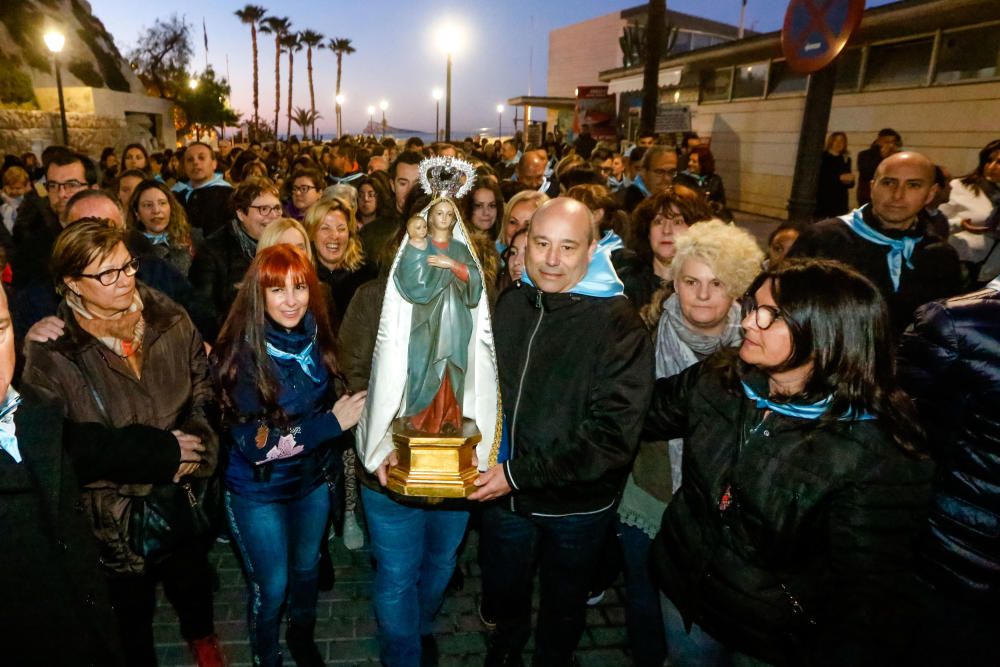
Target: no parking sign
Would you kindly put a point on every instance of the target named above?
(816, 31)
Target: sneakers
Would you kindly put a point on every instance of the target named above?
(594, 599)
(354, 537)
(207, 652)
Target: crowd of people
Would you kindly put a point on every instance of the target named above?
(788, 451)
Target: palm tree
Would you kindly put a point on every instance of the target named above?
(311, 39)
(292, 43)
(305, 118)
(278, 27)
(341, 46)
(251, 15)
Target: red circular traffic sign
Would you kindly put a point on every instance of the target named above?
(816, 31)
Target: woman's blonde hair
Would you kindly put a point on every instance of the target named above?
(524, 195)
(730, 252)
(269, 237)
(354, 255)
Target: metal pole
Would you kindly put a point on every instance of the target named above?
(447, 104)
(499, 123)
(62, 103)
(437, 120)
(383, 123)
(815, 116)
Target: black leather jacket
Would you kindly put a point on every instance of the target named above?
(949, 362)
(806, 559)
(576, 374)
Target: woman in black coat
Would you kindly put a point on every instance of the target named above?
(835, 178)
(790, 538)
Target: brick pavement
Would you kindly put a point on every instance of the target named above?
(346, 630)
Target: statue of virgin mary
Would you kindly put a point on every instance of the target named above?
(434, 364)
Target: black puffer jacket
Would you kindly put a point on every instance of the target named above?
(809, 562)
(576, 374)
(950, 363)
(216, 274)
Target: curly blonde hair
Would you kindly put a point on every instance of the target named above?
(731, 253)
(354, 255)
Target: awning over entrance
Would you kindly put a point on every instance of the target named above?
(633, 82)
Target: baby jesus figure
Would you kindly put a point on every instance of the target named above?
(440, 278)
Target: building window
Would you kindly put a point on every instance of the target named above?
(750, 80)
(900, 63)
(969, 54)
(848, 70)
(715, 85)
(784, 79)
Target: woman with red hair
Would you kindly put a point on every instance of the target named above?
(275, 364)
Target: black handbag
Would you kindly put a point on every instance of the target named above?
(173, 515)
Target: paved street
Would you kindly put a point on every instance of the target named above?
(346, 629)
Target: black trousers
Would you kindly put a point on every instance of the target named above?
(187, 584)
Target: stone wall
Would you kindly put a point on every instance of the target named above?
(22, 131)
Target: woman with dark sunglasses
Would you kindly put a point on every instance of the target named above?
(789, 540)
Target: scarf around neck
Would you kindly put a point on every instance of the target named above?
(679, 346)
(122, 333)
(641, 184)
(811, 411)
(184, 190)
(298, 345)
(900, 250)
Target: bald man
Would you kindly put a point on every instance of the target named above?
(531, 172)
(576, 376)
(890, 240)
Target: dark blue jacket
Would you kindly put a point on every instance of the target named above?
(950, 363)
(306, 445)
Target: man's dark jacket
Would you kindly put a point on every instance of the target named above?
(216, 272)
(576, 374)
(208, 208)
(949, 362)
(55, 608)
(936, 272)
(809, 562)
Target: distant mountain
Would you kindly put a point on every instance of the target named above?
(89, 57)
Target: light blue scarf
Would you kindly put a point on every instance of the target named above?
(8, 435)
(900, 249)
(163, 238)
(184, 190)
(798, 410)
(303, 359)
(601, 279)
(641, 184)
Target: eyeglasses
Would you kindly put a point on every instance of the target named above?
(663, 173)
(71, 186)
(764, 316)
(110, 277)
(267, 210)
(674, 220)
(303, 189)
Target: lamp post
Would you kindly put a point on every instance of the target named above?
(449, 39)
(436, 94)
(371, 119)
(339, 99)
(499, 120)
(383, 105)
(55, 41)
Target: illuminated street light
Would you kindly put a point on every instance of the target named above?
(499, 120)
(383, 105)
(450, 38)
(436, 94)
(55, 41)
(193, 83)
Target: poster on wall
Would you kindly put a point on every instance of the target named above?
(595, 107)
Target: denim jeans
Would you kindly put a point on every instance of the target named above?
(415, 550)
(642, 599)
(279, 544)
(566, 550)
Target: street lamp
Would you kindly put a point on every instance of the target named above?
(339, 99)
(450, 40)
(383, 105)
(55, 41)
(499, 120)
(193, 83)
(371, 119)
(436, 94)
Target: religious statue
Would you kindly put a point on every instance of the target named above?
(434, 394)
